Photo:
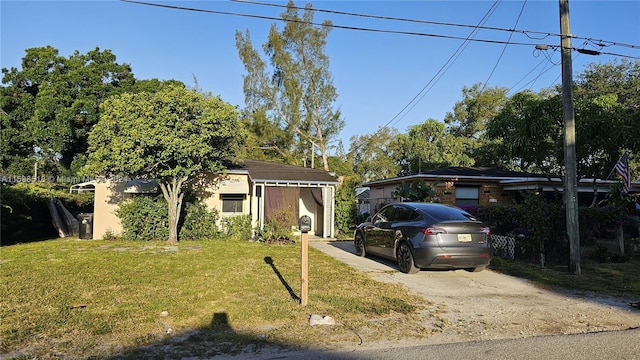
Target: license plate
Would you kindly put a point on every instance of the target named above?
(464, 237)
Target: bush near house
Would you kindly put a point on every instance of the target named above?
(346, 207)
(199, 223)
(277, 227)
(144, 218)
(237, 227)
(537, 226)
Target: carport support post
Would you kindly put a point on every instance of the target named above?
(304, 277)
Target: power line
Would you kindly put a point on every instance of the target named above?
(398, 32)
(524, 32)
(527, 74)
(504, 49)
(443, 68)
(439, 74)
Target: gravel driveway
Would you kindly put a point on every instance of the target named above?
(489, 305)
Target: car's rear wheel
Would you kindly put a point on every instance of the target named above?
(358, 241)
(404, 256)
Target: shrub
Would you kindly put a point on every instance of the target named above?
(144, 218)
(536, 224)
(110, 235)
(277, 226)
(199, 223)
(596, 223)
(346, 207)
(502, 218)
(237, 227)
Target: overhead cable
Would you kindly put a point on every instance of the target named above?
(504, 49)
(524, 32)
(175, 7)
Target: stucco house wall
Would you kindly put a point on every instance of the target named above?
(107, 196)
(248, 183)
(220, 185)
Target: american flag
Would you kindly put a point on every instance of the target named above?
(622, 168)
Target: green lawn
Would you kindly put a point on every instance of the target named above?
(614, 279)
(70, 297)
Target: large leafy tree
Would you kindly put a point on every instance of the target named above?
(528, 133)
(528, 130)
(428, 146)
(372, 155)
(293, 88)
(172, 136)
(469, 119)
(50, 105)
(266, 140)
(417, 190)
(477, 107)
(608, 114)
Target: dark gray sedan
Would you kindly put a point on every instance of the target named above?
(425, 236)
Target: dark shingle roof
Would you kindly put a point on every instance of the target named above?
(468, 173)
(480, 172)
(268, 171)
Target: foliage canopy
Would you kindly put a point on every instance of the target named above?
(172, 136)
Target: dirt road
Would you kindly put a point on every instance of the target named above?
(489, 305)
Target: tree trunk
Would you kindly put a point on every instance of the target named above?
(620, 237)
(173, 194)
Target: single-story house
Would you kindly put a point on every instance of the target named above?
(478, 186)
(256, 188)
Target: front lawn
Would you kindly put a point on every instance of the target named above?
(77, 298)
(621, 279)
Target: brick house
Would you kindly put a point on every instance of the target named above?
(479, 186)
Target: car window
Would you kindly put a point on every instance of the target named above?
(445, 213)
(404, 214)
(385, 215)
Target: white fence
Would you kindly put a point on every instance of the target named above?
(503, 246)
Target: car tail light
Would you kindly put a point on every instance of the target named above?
(434, 231)
(486, 230)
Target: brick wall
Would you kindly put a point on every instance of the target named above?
(487, 194)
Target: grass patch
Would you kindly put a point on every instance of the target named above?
(70, 298)
(608, 279)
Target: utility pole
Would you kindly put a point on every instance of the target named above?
(570, 174)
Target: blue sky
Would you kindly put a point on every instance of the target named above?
(377, 75)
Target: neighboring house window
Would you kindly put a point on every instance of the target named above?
(232, 203)
(467, 196)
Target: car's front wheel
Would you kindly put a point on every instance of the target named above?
(358, 242)
(405, 259)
